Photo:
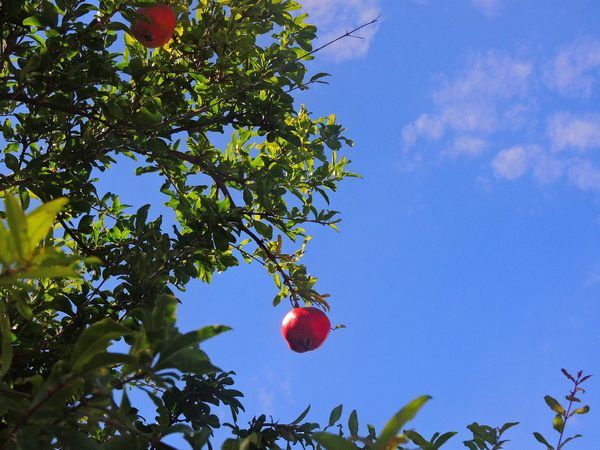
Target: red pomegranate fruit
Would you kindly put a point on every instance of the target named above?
(305, 329)
(155, 27)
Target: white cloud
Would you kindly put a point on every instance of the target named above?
(511, 163)
(488, 7)
(489, 95)
(515, 162)
(335, 17)
(574, 70)
(465, 145)
(569, 132)
(585, 175)
(507, 99)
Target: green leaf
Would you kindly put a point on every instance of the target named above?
(333, 442)
(40, 221)
(583, 410)
(107, 360)
(318, 76)
(40, 272)
(113, 110)
(12, 162)
(483, 432)
(231, 444)
(264, 229)
(23, 309)
(94, 340)
(250, 442)
(7, 351)
(554, 405)
(18, 227)
(335, 415)
(558, 423)
(507, 426)
(35, 21)
(210, 331)
(569, 439)
(541, 439)
(149, 118)
(393, 427)
(85, 224)
(301, 416)
(187, 359)
(444, 438)
(353, 423)
(7, 254)
(417, 439)
(140, 218)
(165, 310)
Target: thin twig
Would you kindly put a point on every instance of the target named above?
(345, 35)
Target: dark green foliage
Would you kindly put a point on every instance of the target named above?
(77, 94)
(486, 437)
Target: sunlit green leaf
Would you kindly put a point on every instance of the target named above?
(18, 227)
(554, 405)
(393, 427)
(94, 340)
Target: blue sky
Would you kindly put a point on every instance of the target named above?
(468, 263)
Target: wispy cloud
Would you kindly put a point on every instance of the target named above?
(499, 97)
(488, 96)
(573, 71)
(567, 131)
(585, 175)
(466, 145)
(335, 17)
(511, 163)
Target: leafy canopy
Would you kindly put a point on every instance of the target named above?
(78, 94)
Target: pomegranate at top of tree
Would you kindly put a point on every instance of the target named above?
(155, 26)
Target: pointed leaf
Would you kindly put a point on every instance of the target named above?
(7, 255)
(406, 414)
(506, 426)
(40, 221)
(569, 439)
(95, 340)
(444, 438)
(554, 405)
(6, 345)
(301, 416)
(583, 410)
(541, 439)
(335, 415)
(18, 227)
(568, 375)
(416, 438)
(353, 423)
